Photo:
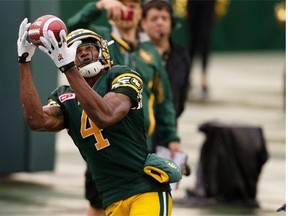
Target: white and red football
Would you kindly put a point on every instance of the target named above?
(41, 26)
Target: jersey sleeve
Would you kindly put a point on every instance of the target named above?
(57, 96)
(87, 18)
(84, 17)
(128, 82)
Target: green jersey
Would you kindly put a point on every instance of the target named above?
(147, 62)
(115, 155)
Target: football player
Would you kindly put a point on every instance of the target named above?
(141, 56)
(100, 109)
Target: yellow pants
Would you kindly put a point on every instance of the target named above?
(145, 204)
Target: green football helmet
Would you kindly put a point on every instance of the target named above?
(93, 66)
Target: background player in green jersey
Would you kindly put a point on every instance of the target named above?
(128, 49)
(99, 109)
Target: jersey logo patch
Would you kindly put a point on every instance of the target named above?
(146, 57)
(136, 83)
(66, 96)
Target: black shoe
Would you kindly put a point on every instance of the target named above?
(282, 208)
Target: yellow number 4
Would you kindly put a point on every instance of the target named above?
(88, 128)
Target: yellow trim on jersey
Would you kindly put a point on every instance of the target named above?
(129, 85)
(132, 86)
(122, 43)
(52, 103)
(146, 56)
(151, 115)
(127, 74)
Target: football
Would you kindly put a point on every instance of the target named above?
(41, 26)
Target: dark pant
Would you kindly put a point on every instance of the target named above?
(91, 192)
(200, 19)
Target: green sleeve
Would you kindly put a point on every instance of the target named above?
(166, 128)
(54, 96)
(85, 17)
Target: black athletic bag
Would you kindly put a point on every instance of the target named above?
(230, 163)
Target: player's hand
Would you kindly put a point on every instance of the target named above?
(25, 49)
(174, 147)
(62, 55)
(115, 9)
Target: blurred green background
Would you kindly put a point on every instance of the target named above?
(245, 26)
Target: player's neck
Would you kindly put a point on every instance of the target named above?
(92, 80)
(130, 35)
(162, 45)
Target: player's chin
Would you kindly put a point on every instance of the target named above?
(126, 25)
(157, 35)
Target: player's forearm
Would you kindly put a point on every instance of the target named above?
(30, 101)
(94, 105)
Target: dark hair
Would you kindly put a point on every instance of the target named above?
(159, 5)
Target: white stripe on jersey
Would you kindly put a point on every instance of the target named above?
(164, 204)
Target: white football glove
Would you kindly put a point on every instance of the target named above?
(62, 55)
(25, 49)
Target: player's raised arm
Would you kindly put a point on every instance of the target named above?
(37, 117)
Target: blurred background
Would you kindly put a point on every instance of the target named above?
(43, 171)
